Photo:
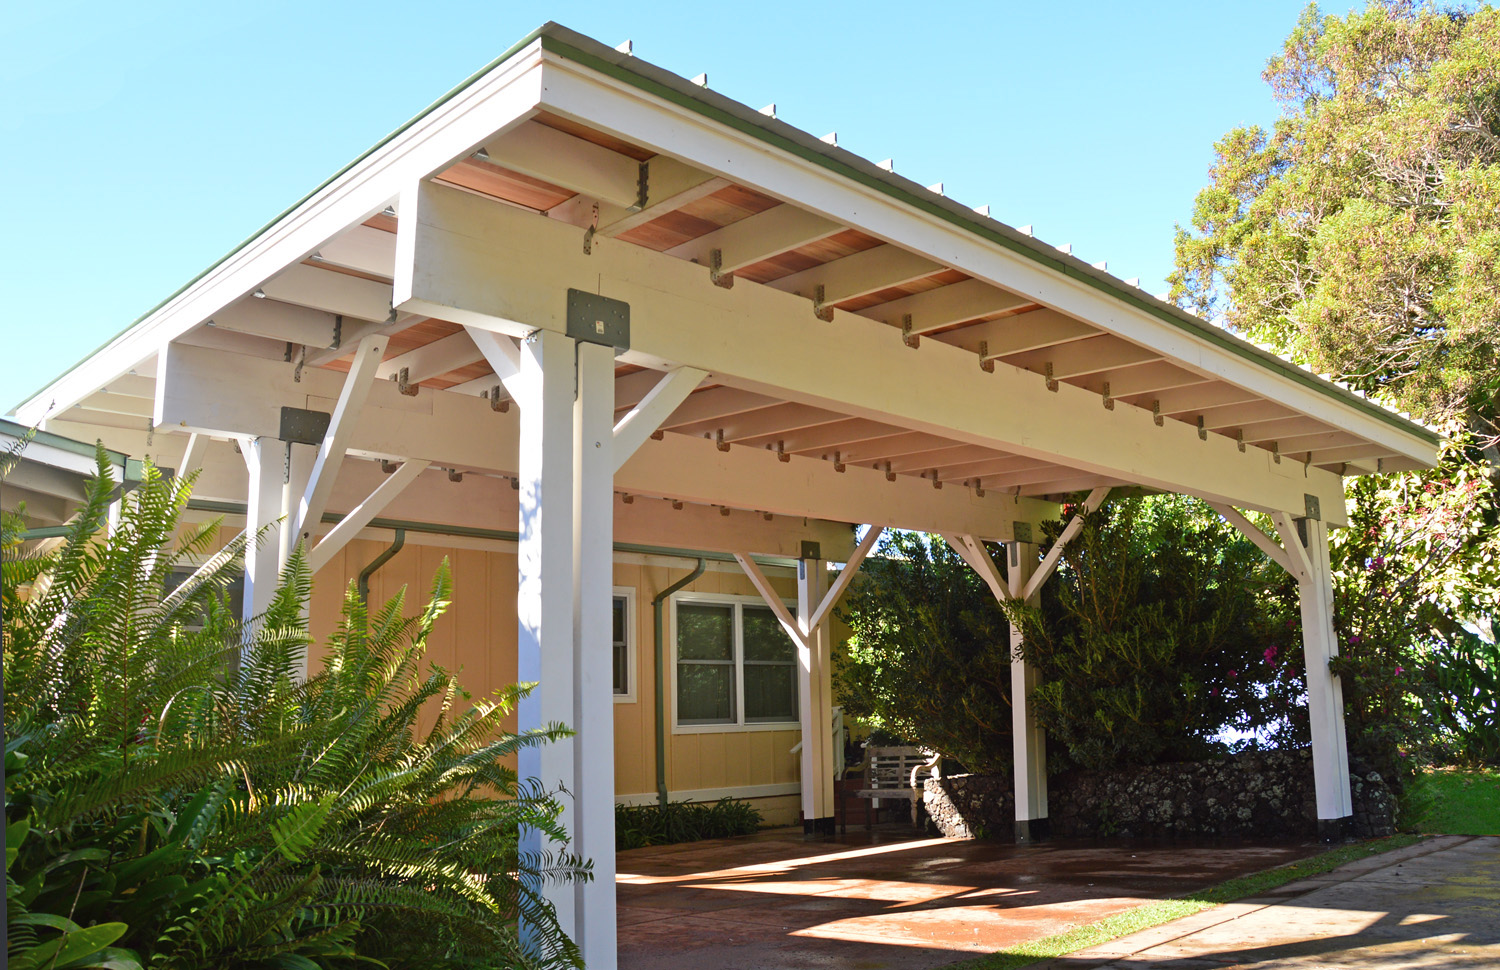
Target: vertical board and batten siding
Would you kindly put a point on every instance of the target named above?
(477, 638)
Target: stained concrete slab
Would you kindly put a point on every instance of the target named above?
(887, 898)
(1433, 906)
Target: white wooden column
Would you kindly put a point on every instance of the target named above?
(594, 717)
(265, 466)
(1325, 691)
(544, 601)
(815, 700)
(1029, 741)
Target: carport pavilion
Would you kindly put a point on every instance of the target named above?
(579, 293)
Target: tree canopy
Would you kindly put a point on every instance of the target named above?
(1361, 234)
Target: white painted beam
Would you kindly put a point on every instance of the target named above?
(714, 403)
(1066, 286)
(846, 575)
(331, 292)
(758, 237)
(946, 306)
(635, 427)
(859, 274)
(972, 551)
(205, 390)
(1079, 357)
(502, 354)
(742, 336)
(432, 359)
(279, 321)
(1018, 333)
(564, 160)
(358, 517)
(363, 248)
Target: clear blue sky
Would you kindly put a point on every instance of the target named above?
(143, 141)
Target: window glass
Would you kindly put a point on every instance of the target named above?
(770, 692)
(764, 637)
(705, 632)
(705, 693)
(705, 664)
(621, 648)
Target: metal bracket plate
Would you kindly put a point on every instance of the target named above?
(1022, 531)
(598, 319)
(1314, 510)
(810, 550)
(303, 426)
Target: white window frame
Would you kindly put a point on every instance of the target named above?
(632, 671)
(739, 725)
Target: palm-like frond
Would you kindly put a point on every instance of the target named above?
(177, 769)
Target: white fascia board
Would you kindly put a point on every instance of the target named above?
(587, 96)
(502, 98)
(761, 339)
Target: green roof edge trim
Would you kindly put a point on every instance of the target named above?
(572, 45)
(885, 183)
(72, 445)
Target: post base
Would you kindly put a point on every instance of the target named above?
(1335, 829)
(819, 828)
(1032, 830)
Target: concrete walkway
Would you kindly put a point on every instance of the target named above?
(1434, 906)
(868, 901)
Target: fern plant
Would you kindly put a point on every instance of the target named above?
(178, 794)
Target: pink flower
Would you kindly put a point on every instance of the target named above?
(1399, 672)
(1270, 654)
(1234, 673)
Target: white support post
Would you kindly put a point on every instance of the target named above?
(593, 701)
(1028, 739)
(1306, 542)
(359, 517)
(544, 600)
(815, 700)
(362, 369)
(265, 465)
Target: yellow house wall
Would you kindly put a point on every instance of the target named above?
(477, 637)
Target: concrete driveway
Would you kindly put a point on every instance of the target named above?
(1434, 906)
(889, 899)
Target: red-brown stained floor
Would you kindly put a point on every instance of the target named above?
(888, 898)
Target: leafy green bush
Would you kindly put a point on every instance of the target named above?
(177, 796)
(1416, 594)
(637, 826)
(1156, 634)
(929, 656)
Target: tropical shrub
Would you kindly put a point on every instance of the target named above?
(1416, 594)
(928, 660)
(177, 795)
(1158, 632)
(637, 826)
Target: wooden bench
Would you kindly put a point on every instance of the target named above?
(887, 773)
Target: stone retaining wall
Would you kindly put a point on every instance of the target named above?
(1259, 794)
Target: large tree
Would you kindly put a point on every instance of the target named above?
(1361, 234)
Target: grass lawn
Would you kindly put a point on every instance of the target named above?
(1166, 910)
(1451, 801)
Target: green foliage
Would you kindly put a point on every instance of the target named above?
(1362, 233)
(1155, 635)
(1416, 593)
(177, 795)
(929, 657)
(637, 826)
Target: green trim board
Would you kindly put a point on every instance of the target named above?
(501, 535)
(116, 458)
(590, 53)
